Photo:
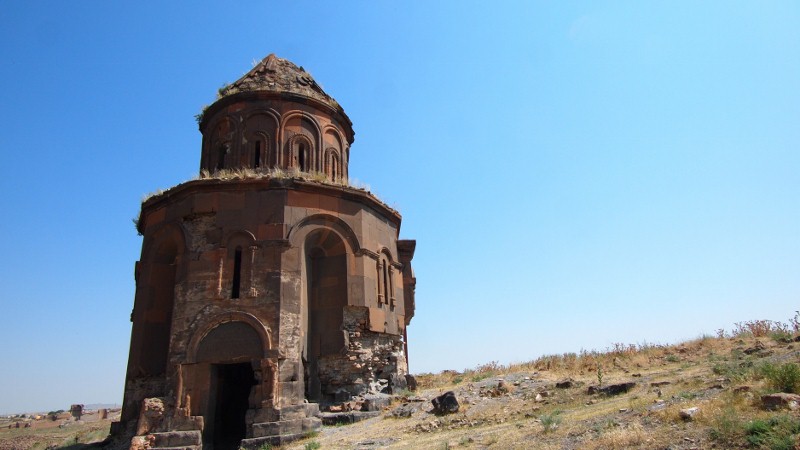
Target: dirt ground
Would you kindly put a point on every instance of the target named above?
(46, 433)
(554, 403)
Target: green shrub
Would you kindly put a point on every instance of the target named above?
(727, 427)
(550, 421)
(782, 336)
(783, 378)
(734, 371)
(313, 445)
(776, 433)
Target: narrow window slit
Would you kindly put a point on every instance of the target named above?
(237, 272)
(301, 156)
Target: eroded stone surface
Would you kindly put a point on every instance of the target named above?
(266, 295)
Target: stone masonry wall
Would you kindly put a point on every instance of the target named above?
(373, 363)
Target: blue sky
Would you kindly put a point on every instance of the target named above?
(575, 173)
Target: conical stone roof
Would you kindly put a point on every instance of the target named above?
(279, 75)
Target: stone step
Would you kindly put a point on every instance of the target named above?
(172, 439)
(258, 442)
(294, 412)
(329, 418)
(285, 427)
(312, 409)
(187, 447)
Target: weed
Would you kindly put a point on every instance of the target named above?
(600, 375)
(782, 378)
(672, 358)
(776, 433)
(550, 421)
(783, 336)
(265, 446)
(795, 322)
(404, 393)
(313, 445)
(480, 376)
(492, 439)
(759, 328)
(734, 371)
(199, 116)
(726, 428)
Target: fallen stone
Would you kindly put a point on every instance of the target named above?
(688, 413)
(445, 403)
(411, 382)
(611, 389)
(755, 349)
(538, 398)
(405, 410)
(376, 402)
(565, 384)
(781, 400)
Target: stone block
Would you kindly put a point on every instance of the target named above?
(292, 412)
(278, 428)
(177, 438)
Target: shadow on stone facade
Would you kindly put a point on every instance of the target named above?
(264, 296)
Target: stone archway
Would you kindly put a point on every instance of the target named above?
(325, 298)
(225, 364)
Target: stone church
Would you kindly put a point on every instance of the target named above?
(268, 286)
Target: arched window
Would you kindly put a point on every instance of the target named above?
(302, 156)
(222, 151)
(333, 164)
(257, 155)
(385, 283)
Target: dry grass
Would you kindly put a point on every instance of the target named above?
(704, 373)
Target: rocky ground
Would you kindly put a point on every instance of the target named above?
(697, 395)
(708, 393)
(24, 433)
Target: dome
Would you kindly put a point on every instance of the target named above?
(280, 76)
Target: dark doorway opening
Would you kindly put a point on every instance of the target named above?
(233, 384)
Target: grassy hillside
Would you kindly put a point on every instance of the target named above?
(520, 407)
(554, 403)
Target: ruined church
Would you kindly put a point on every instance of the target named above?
(268, 287)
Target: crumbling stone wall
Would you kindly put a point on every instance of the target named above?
(373, 362)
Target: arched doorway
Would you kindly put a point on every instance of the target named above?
(325, 299)
(229, 351)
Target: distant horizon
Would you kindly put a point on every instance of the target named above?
(90, 406)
